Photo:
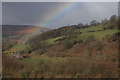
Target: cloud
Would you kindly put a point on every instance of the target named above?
(101, 10)
(86, 12)
(32, 13)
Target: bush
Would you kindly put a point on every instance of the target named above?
(68, 44)
(113, 37)
(99, 45)
(91, 38)
(38, 45)
(11, 67)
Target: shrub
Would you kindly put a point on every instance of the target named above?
(11, 67)
(99, 45)
(91, 38)
(38, 45)
(68, 44)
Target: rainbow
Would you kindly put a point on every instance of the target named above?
(56, 13)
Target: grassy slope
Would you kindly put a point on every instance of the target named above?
(16, 48)
(46, 59)
(100, 27)
(52, 40)
(20, 47)
(99, 35)
(83, 36)
(53, 60)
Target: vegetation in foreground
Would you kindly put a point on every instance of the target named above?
(76, 51)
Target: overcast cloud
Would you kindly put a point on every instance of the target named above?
(16, 13)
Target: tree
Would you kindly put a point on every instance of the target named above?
(93, 23)
(68, 44)
(104, 21)
(81, 25)
(86, 25)
(113, 18)
(113, 21)
(91, 38)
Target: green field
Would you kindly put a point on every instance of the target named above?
(52, 40)
(85, 34)
(100, 27)
(20, 47)
(45, 59)
(17, 48)
(98, 35)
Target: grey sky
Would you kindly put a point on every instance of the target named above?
(15, 13)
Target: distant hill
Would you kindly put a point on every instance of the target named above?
(13, 30)
(16, 34)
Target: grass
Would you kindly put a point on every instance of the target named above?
(69, 65)
(17, 48)
(85, 34)
(46, 59)
(100, 27)
(20, 47)
(52, 40)
(99, 35)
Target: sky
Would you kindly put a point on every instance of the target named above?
(56, 14)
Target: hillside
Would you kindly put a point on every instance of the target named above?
(74, 51)
(20, 33)
(75, 34)
(13, 30)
